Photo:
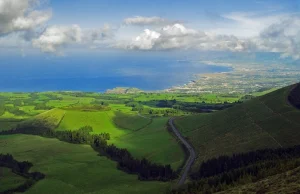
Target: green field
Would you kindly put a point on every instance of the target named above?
(264, 122)
(73, 168)
(9, 180)
(100, 121)
(130, 121)
(138, 123)
(153, 142)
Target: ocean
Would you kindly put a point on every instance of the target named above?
(98, 72)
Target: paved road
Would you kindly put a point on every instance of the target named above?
(191, 150)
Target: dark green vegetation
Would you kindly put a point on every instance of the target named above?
(223, 173)
(294, 96)
(267, 126)
(9, 180)
(21, 169)
(287, 182)
(131, 122)
(268, 121)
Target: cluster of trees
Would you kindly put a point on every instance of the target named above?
(42, 106)
(2, 107)
(12, 109)
(221, 173)
(100, 102)
(227, 180)
(164, 112)
(184, 106)
(222, 164)
(143, 168)
(53, 97)
(126, 162)
(136, 106)
(294, 96)
(95, 107)
(15, 110)
(22, 169)
(80, 136)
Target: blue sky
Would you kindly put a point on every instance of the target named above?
(89, 13)
(54, 26)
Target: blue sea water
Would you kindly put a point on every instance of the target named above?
(99, 71)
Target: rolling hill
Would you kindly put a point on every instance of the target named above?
(131, 131)
(269, 121)
(71, 168)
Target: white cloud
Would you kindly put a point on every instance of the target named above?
(142, 21)
(145, 40)
(53, 38)
(246, 24)
(178, 36)
(283, 37)
(20, 15)
(99, 35)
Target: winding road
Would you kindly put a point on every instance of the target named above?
(191, 150)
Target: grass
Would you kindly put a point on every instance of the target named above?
(7, 124)
(155, 143)
(264, 122)
(131, 121)
(51, 118)
(142, 137)
(9, 180)
(100, 121)
(71, 168)
(288, 182)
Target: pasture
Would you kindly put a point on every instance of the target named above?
(9, 180)
(71, 168)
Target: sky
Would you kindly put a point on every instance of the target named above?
(56, 26)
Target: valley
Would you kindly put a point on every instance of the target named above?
(57, 132)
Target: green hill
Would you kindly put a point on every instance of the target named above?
(287, 182)
(70, 168)
(143, 137)
(268, 121)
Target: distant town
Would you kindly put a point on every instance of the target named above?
(245, 78)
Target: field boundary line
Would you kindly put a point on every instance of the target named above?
(257, 125)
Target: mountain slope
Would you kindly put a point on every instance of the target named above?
(287, 182)
(269, 121)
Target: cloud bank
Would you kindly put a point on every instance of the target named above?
(177, 36)
(55, 37)
(20, 15)
(282, 36)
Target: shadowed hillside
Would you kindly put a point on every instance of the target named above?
(269, 121)
(287, 182)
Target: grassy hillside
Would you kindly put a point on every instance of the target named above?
(9, 180)
(268, 121)
(99, 120)
(130, 121)
(71, 168)
(288, 182)
(153, 142)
